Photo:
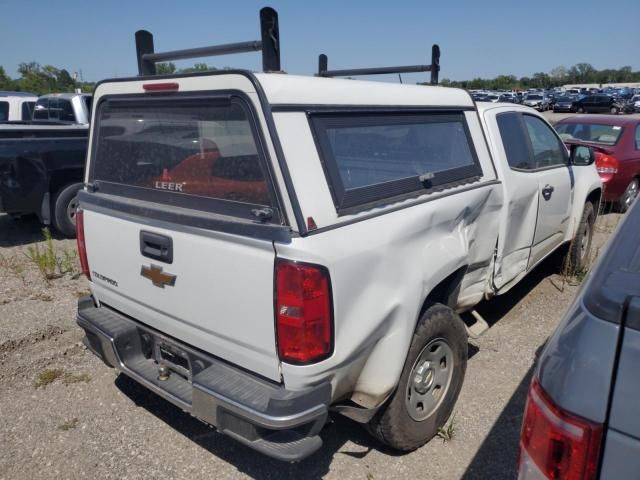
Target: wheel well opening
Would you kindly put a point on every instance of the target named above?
(446, 292)
(594, 198)
(62, 178)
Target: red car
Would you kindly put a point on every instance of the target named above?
(616, 141)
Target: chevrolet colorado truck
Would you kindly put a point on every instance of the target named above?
(265, 248)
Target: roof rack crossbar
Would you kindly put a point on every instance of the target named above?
(269, 45)
(434, 68)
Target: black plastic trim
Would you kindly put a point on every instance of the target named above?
(140, 211)
(347, 108)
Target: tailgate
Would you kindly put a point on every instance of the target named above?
(221, 300)
(180, 220)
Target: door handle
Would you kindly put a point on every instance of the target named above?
(157, 247)
(547, 191)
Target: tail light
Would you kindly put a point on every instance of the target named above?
(82, 246)
(606, 164)
(555, 444)
(304, 320)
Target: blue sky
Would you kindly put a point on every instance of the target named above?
(484, 39)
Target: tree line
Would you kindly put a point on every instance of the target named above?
(580, 73)
(40, 79)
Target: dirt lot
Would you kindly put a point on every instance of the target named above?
(63, 414)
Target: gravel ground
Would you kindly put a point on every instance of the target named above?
(64, 414)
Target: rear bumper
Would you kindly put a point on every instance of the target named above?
(258, 413)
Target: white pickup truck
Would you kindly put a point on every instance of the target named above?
(265, 248)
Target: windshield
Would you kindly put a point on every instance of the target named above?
(564, 99)
(534, 97)
(586, 132)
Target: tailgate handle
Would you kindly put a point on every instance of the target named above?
(157, 247)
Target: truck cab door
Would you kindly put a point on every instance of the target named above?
(538, 189)
(518, 220)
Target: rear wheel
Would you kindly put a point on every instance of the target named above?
(429, 384)
(614, 110)
(629, 195)
(64, 209)
(580, 248)
(580, 110)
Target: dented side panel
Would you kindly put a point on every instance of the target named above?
(382, 270)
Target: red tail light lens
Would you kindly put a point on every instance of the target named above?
(606, 164)
(303, 312)
(555, 444)
(160, 87)
(82, 247)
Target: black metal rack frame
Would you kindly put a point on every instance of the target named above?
(269, 44)
(434, 68)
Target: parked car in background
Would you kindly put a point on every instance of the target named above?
(41, 169)
(16, 106)
(64, 107)
(597, 104)
(537, 101)
(564, 104)
(616, 141)
(581, 417)
(633, 105)
(507, 98)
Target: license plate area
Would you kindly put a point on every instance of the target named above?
(174, 357)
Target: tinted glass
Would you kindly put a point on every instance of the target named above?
(88, 101)
(379, 149)
(548, 150)
(41, 110)
(638, 137)
(4, 111)
(595, 133)
(65, 111)
(182, 147)
(514, 141)
(27, 110)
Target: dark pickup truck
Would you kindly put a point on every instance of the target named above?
(41, 171)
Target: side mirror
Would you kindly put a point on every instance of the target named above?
(582, 155)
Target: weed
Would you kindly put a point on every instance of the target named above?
(14, 266)
(42, 296)
(447, 432)
(70, 378)
(69, 425)
(48, 376)
(51, 263)
(45, 258)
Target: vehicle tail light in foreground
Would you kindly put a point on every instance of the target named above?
(82, 246)
(606, 164)
(303, 304)
(555, 444)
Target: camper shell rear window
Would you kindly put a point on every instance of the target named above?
(193, 151)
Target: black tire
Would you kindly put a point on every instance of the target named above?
(629, 195)
(393, 425)
(580, 110)
(580, 248)
(614, 110)
(64, 206)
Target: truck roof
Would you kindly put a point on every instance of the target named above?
(17, 94)
(283, 89)
(68, 96)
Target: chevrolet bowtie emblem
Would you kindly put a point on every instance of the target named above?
(157, 276)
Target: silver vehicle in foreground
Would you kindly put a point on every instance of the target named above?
(581, 419)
